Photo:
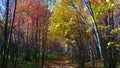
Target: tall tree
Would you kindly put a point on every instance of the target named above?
(8, 33)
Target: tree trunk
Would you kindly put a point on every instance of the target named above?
(96, 33)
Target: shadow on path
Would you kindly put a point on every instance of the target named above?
(60, 62)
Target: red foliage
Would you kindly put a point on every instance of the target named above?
(30, 13)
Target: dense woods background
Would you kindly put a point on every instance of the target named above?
(33, 32)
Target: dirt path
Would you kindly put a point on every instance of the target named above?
(60, 62)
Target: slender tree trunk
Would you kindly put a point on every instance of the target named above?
(111, 50)
(3, 63)
(96, 33)
(44, 40)
(8, 38)
(92, 58)
(27, 49)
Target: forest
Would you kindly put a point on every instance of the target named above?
(59, 33)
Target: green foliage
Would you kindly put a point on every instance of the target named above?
(50, 56)
(100, 10)
(28, 65)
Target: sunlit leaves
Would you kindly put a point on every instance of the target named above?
(89, 30)
(63, 21)
(115, 31)
(113, 43)
(107, 0)
(100, 10)
(103, 27)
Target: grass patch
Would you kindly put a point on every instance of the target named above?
(50, 56)
(29, 65)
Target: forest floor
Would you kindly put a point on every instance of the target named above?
(64, 62)
(60, 62)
